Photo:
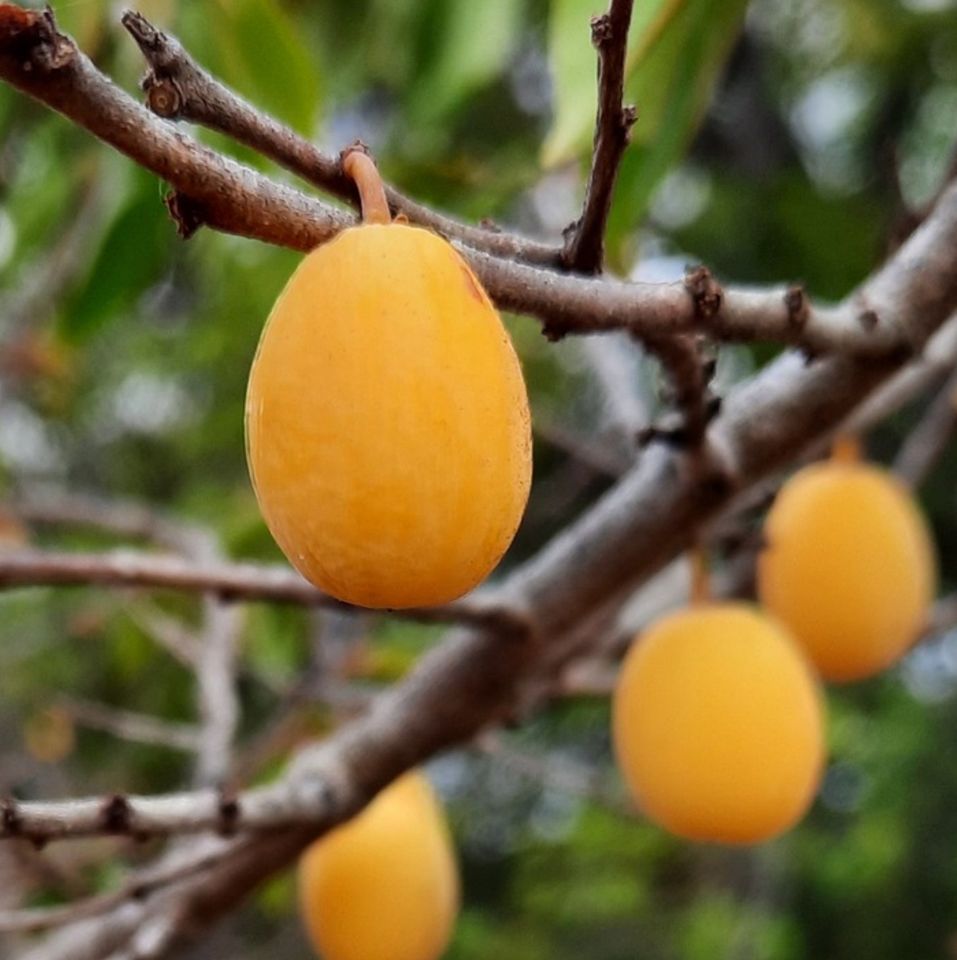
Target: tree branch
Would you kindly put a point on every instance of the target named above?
(178, 88)
(477, 677)
(228, 581)
(127, 725)
(585, 239)
(216, 191)
(40, 61)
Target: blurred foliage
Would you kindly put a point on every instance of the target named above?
(783, 142)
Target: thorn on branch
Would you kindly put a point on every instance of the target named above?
(187, 213)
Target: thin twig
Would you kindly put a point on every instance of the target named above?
(127, 725)
(139, 887)
(217, 698)
(928, 441)
(178, 641)
(585, 239)
(689, 374)
(178, 88)
(129, 519)
(228, 581)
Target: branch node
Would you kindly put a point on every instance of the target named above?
(797, 306)
(705, 292)
(601, 30)
(12, 825)
(188, 214)
(116, 814)
(32, 38)
(668, 433)
(868, 319)
(554, 330)
(629, 117)
(164, 96)
(229, 812)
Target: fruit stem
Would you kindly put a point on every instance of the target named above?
(846, 449)
(700, 578)
(361, 168)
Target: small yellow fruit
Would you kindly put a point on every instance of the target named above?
(387, 423)
(718, 725)
(383, 886)
(849, 567)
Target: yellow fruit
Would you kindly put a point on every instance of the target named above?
(384, 886)
(849, 567)
(387, 423)
(718, 725)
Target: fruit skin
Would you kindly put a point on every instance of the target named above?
(383, 886)
(387, 424)
(849, 567)
(718, 725)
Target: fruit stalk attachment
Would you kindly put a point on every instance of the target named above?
(846, 449)
(700, 593)
(361, 168)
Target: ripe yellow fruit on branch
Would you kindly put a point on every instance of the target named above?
(849, 566)
(383, 886)
(718, 725)
(387, 422)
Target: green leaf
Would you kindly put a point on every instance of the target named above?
(260, 52)
(132, 255)
(464, 46)
(676, 50)
(672, 83)
(574, 67)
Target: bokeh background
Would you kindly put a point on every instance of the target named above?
(778, 140)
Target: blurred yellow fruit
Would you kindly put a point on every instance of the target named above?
(849, 567)
(383, 886)
(718, 725)
(387, 423)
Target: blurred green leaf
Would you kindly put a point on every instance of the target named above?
(671, 83)
(260, 52)
(574, 67)
(464, 46)
(675, 54)
(132, 255)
